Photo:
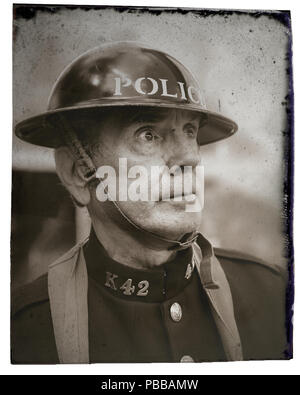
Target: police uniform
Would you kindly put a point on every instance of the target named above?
(205, 305)
(160, 315)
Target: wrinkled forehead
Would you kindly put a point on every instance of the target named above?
(115, 119)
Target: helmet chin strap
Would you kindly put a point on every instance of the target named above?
(155, 241)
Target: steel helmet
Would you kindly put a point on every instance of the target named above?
(122, 74)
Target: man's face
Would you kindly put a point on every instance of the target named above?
(152, 138)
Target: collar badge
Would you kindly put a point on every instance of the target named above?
(189, 271)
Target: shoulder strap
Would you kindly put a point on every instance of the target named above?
(68, 287)
(218, 291)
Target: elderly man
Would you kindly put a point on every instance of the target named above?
(146, 286)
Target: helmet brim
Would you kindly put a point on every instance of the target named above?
(41, 130)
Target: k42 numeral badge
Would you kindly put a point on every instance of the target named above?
(128, 288)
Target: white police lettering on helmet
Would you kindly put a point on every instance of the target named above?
(161, 85)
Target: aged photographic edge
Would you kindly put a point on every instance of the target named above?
(152, 185)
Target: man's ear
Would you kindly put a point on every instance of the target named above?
(71, 175)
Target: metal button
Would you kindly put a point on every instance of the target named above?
(187, 358)
(176, 312)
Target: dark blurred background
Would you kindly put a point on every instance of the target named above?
(43, 224)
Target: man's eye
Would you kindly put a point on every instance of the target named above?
(147, 135)
(190, 130)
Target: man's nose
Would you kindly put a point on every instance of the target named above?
(180, 152)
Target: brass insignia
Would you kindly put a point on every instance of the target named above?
(110, 280)
(188, 272)
(127, 287)
(143, 285)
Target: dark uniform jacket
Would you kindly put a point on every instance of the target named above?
(159, 315)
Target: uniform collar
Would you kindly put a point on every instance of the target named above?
(155, 285)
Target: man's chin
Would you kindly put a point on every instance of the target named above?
(175, 228)
(166, 219)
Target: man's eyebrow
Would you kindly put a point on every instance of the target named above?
(145, 116)
(154, 116)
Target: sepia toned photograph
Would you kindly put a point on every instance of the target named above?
(152, 185)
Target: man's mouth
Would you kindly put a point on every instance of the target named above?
(178, 197)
